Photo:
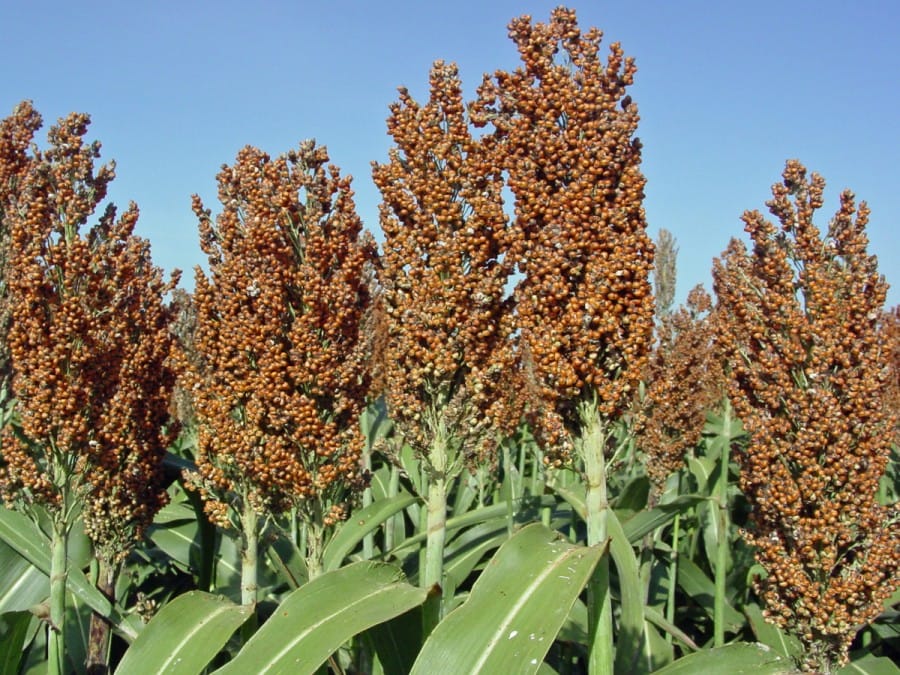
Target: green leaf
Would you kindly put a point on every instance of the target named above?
(870, 665)
(397, 642)
(22, 585)
(13, 632)
(287, 560)
(361, 523)
(702, 590)
(312, 622)
(466, 551)
(28, 541)
(740, 658)
(475, 517)
(645, 522)
(633, 497)
(184, 636)
(630, 638)
(771, 635)
(515, 608)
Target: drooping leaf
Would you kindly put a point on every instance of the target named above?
(630, 638)
(397, 642)
(702, 590)
(13, 632)
(22, 585)
(739, 658)
(515, 608)
(184, 636)
(771, 635)
(645, 522)
(361, 523)
(313, 621)
(870, 665)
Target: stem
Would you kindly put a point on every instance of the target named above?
(56, 637)
(722, 542)
(314, 550)
(592, 445)
(249, 555)
(392, 522)
(436, 524)
(673, 574)
(369, 539)
(98, 640)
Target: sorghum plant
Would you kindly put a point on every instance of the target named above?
(89, 347)
(275, 369)
(808, 371)
(584, 309)
(443, 283)
(684, 380)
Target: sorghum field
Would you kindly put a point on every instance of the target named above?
(487, 444)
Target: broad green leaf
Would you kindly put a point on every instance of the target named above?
(13, 631)
(702, 590)
(315, 620)
(633, 497)
(515, 608)
(287, 560)
(397, 642)
(22, 585)
(658, 620)
(184, 636)
(645, 522)
(771, 635)
(870, 665)
(468, 549)
(361, 523)
(740, 658)
(630, 637)
(475, 517)
(181, 541)
(28, 541)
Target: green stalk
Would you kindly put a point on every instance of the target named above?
(592, 444)
(391, 524)
(436, 524)
(673, 574)
(315, 547)
(369, 539)
(249, 566)
(56, 637)
(722, 542)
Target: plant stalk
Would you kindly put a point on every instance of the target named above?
(98, 640)
(56, 637)
(722, 543)
(249, 555)
(593, 441)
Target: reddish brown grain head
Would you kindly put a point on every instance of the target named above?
(276, 367)
(88, 340)
(564, 133)
(809, 376)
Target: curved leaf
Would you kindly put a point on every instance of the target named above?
(740, 658)
(630, 640)
(315, 620)
(361, 523)
(184, 636)
(515, 608)
(22, 585)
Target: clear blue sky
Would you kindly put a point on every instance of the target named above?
(727, 92)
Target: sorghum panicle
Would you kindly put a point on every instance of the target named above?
(684, 380)
(88, 341)
(564, 129)
(276, 367)
(443, 275)
(799, 319)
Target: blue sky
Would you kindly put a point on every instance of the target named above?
(727, 92)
